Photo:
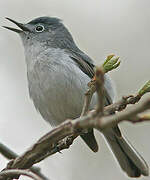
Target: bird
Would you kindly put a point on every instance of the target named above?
(58, 73)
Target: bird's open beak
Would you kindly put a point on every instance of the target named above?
(20, 25)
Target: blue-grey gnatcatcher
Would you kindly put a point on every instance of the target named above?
(58, 73)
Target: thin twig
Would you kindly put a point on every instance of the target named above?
(6, 152)
(14, 172)
(127, 115)
(88, 97)
(140, 118)
(122, 104)
(9, 154)
(99, 78)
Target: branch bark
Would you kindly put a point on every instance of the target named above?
(99, 119)
(9, 154)
(14, 172)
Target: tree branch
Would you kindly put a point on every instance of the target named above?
(6, 152)
(128, 114)
(63, 136)
(14, 172)
(88, 97)
(9, 154)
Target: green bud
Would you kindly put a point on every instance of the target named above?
(110, 63)
(145, 89)
(108, 58)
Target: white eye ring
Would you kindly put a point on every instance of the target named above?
(39, 28)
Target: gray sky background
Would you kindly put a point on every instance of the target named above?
(100, 27)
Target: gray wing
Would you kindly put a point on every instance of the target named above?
(83, 62)
(86, 64)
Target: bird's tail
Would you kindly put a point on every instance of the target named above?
(90, 140)
(128, 158)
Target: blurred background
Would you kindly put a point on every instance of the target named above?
(99, 27)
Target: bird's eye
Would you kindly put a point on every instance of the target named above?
(39, 28)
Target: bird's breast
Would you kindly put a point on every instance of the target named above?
(57, 87)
